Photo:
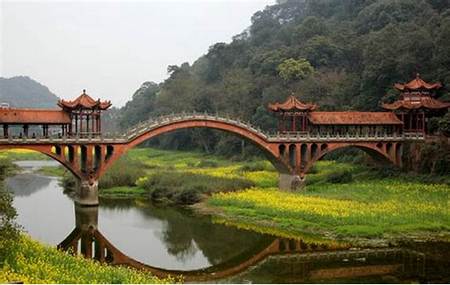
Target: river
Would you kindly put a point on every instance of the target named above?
(174, 240)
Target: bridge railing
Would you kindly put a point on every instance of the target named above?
(151, 123)
(343, 137)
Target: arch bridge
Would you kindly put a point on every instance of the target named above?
(293, 155)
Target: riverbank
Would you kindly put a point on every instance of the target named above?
(29, 261)
(342, 201)
(356, 204)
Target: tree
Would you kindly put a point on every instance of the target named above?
(444, 125)
(292, 69)
(320, 50)
(310, 27)
(8, 227)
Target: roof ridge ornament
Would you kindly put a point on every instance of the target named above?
(417, 84)
(292, 103)
(84, 101)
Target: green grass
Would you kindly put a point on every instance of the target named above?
(57, 171)
(29, 261)
(123, 192)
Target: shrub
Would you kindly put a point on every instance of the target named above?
(444, 125)
(207, 163)
(253, 166)
(386, 171)
(313, 170)
(188, 188)
(340, 177)
(433, 125)
(124, 172)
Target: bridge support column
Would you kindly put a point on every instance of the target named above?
(290, 182)
(86, 218)
(87, 193)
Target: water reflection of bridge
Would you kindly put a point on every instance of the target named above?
(305, 261)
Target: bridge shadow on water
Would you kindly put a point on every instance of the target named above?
(270, 259)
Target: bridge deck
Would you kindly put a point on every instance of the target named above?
(152, 124)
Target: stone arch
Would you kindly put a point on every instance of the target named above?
(372, 149)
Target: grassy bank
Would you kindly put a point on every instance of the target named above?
(344, 201)
(29, 261)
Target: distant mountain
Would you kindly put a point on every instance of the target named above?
(24, 92)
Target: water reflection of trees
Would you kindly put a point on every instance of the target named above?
(185, 232)
(273, 259)
(25, 184)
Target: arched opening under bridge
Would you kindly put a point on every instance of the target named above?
(382, 153)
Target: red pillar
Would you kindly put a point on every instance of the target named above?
(99, 123)
(417, 122)
(81, 124)
(25, 130)
(93, 124)
(87, 123)
(5, 131)
(293, 122)
(423, 122)
(410, 121)
(304, 123)
(76, 124)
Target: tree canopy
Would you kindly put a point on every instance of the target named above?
(338, 54)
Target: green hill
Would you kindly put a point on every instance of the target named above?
(24, 92)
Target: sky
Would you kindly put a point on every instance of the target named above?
(110, 48)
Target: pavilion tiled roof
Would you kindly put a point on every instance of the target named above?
(417, 84)
(84, 101)
(423, 102)
(33, 116)
(354, 118)
(292, 103)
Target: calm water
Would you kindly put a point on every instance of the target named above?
(164, 238)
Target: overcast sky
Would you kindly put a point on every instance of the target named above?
(111, 47)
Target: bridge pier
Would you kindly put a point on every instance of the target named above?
(290, 182)
(87, 193)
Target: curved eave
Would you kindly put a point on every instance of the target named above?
(275, 108)
(417, 84)
(292, 104)
(413, 106)
(76, 105)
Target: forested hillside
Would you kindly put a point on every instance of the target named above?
(340, 54)
(24, 92)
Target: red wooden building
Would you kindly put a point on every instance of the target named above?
(85, 114)
(295, 116)
(80, 117)
(417, 103)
